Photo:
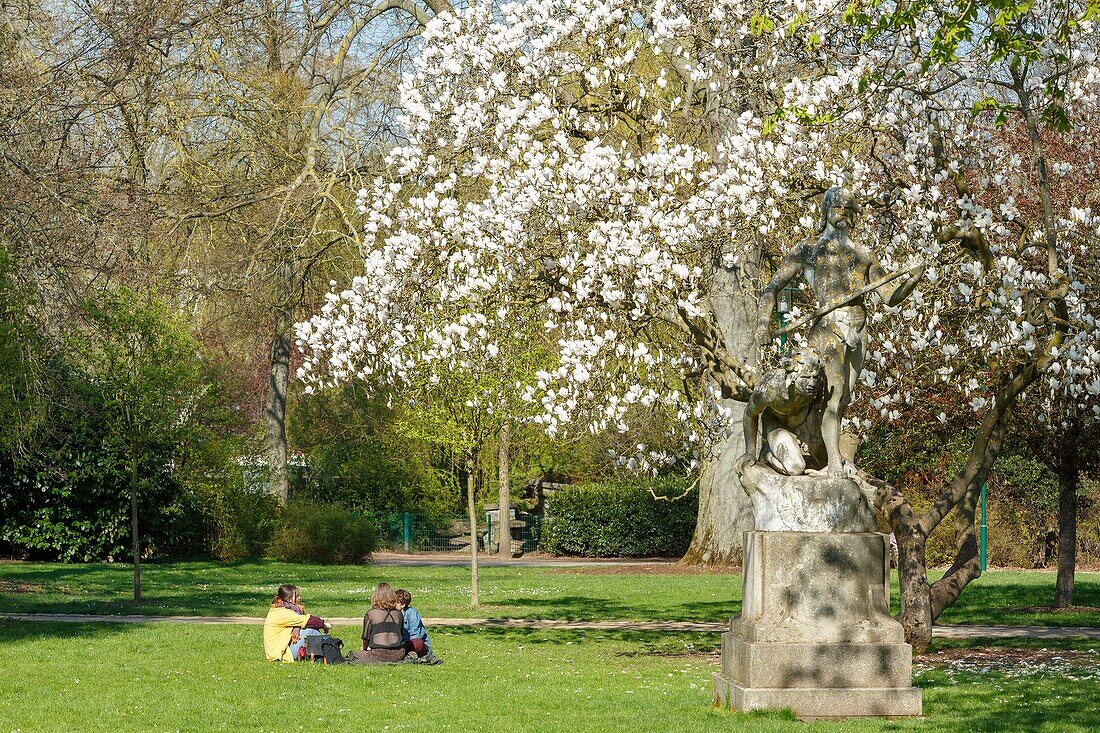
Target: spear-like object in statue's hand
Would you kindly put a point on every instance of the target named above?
(847, 298)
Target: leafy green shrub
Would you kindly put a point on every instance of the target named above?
(375, 468)
(241, 521)
(621, 519)
(127, 391)
(322, 533)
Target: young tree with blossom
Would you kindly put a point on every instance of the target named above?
(619, 169)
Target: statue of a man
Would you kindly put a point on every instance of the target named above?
(839, 271)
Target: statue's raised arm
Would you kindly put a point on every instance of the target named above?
(791, 267)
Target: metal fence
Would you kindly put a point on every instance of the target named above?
(411, 532)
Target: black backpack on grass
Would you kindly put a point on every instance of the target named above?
(324, 648)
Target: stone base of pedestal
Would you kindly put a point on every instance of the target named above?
(815, 634)
(821, 702)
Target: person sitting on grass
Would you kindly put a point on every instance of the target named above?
(416, 636)
(287, 625)
(382, 626)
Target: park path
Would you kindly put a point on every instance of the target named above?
(976, 631)
(531, 560)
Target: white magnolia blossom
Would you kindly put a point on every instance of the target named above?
(575, 169)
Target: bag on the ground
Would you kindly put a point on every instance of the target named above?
(324, 648)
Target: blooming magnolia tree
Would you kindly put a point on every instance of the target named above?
(594, 170)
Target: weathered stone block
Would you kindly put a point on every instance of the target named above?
(851, 702)
(776, 664)
(815, 634)
(806, 502)
(816, 587)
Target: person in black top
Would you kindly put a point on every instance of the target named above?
(382, 626)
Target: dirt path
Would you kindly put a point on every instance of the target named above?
(948, 632)
(530, 560)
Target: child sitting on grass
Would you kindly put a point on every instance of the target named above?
(416, 636)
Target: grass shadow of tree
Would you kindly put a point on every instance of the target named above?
(590, 608)
(14, 631)
(653, 643)
(998, 599)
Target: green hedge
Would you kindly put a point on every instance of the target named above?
(323, 533)
(621, 519)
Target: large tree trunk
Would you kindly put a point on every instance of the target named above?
(504, 540)
(275, 409)
(471, 466)
(725, 511)
(1067, 522)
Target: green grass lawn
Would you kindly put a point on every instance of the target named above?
(156, 677)
(244, 589)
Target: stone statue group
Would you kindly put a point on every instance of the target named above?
(815, 633)
(792, 422)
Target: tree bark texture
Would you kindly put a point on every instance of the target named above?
(275, 412)
(725, 511)
(967, 564)
(1067, 520)
(916, 597)
(471, 466)
(504, 540)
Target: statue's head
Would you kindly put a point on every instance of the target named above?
(839, 209)
(803, 368)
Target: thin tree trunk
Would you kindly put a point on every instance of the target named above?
(470, 468)
(134, 523)
(503, 458)
(916, 601)
(967, 565)
(1067, 523)
(275, 410)
(1067, 484)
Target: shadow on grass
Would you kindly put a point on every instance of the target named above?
(648, 643)
(14, 631)
(245, 587)
(202, 588)
(219, 603)
(1045, 644)
(1013, 598)
(990, 705)
(587, 608)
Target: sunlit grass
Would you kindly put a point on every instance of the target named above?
(111, 677)
(243, 589)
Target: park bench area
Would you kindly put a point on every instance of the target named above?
(410, 532)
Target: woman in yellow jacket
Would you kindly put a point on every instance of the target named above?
(287, 625)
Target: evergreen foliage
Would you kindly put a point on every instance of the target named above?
(622, 519)
(133, 387)
(323, 533)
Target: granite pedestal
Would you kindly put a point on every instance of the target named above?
(815, 634)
